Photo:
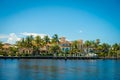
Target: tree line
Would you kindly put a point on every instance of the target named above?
(35, 44)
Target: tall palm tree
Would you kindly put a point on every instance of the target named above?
(94, 46)
(55, 39)
(115, 48)
(99, 48)
(1, 47)
(74, 47)
(46, 40)
(38, 43)
(13, 51)
(31, 37)
(87, 45)
(105, 48)
(27, 43)
(1, 44)
(55, 49)
(21, 43)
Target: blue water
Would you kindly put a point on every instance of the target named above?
(48, 69)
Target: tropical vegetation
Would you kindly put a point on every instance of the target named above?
(37, 46)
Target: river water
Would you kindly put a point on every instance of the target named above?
(49, 69)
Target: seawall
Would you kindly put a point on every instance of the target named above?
(51, 57)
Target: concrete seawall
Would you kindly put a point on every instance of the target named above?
(51, 57)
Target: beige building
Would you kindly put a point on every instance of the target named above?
(6, 46)
(64, 44)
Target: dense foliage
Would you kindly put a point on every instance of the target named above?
(31, 46)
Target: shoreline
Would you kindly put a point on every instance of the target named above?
(51, 57)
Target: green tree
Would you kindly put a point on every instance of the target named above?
(21, 43)
(47, 41)
(74, 47)
(115, 48)
(55, 49)
(55, 39)
(38, 43)
(93, 46)
(87, 45)
(1, 48)
(1, 44)
(28, 41)
(105, 49)
(13, 51)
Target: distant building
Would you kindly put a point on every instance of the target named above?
(6, 46)
(64, 44)
(26, 50)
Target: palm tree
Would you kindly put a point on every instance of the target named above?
(87, 45)
(1, 44)
(55, 39)
(1, 48)
(97, 45)
(99, 49)
(115, 47)
(74, 47)
(55, 49)
(13, 51)
(31, 37)
(105, 48)
(21, 43)
(46, 40)
(119, 50)
(93, 46)
(38, 43)
(28, 43)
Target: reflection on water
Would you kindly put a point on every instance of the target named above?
(48, 69)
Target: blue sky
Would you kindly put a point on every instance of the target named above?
(74, 19)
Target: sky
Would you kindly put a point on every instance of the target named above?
(74, 19)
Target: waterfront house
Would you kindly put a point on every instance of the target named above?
(64, 44)
(6, 46)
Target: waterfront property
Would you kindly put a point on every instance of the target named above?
(65, 47)
(64, 44)
(37, 46)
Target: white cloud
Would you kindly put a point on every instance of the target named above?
(12, 38)
(34, 34)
